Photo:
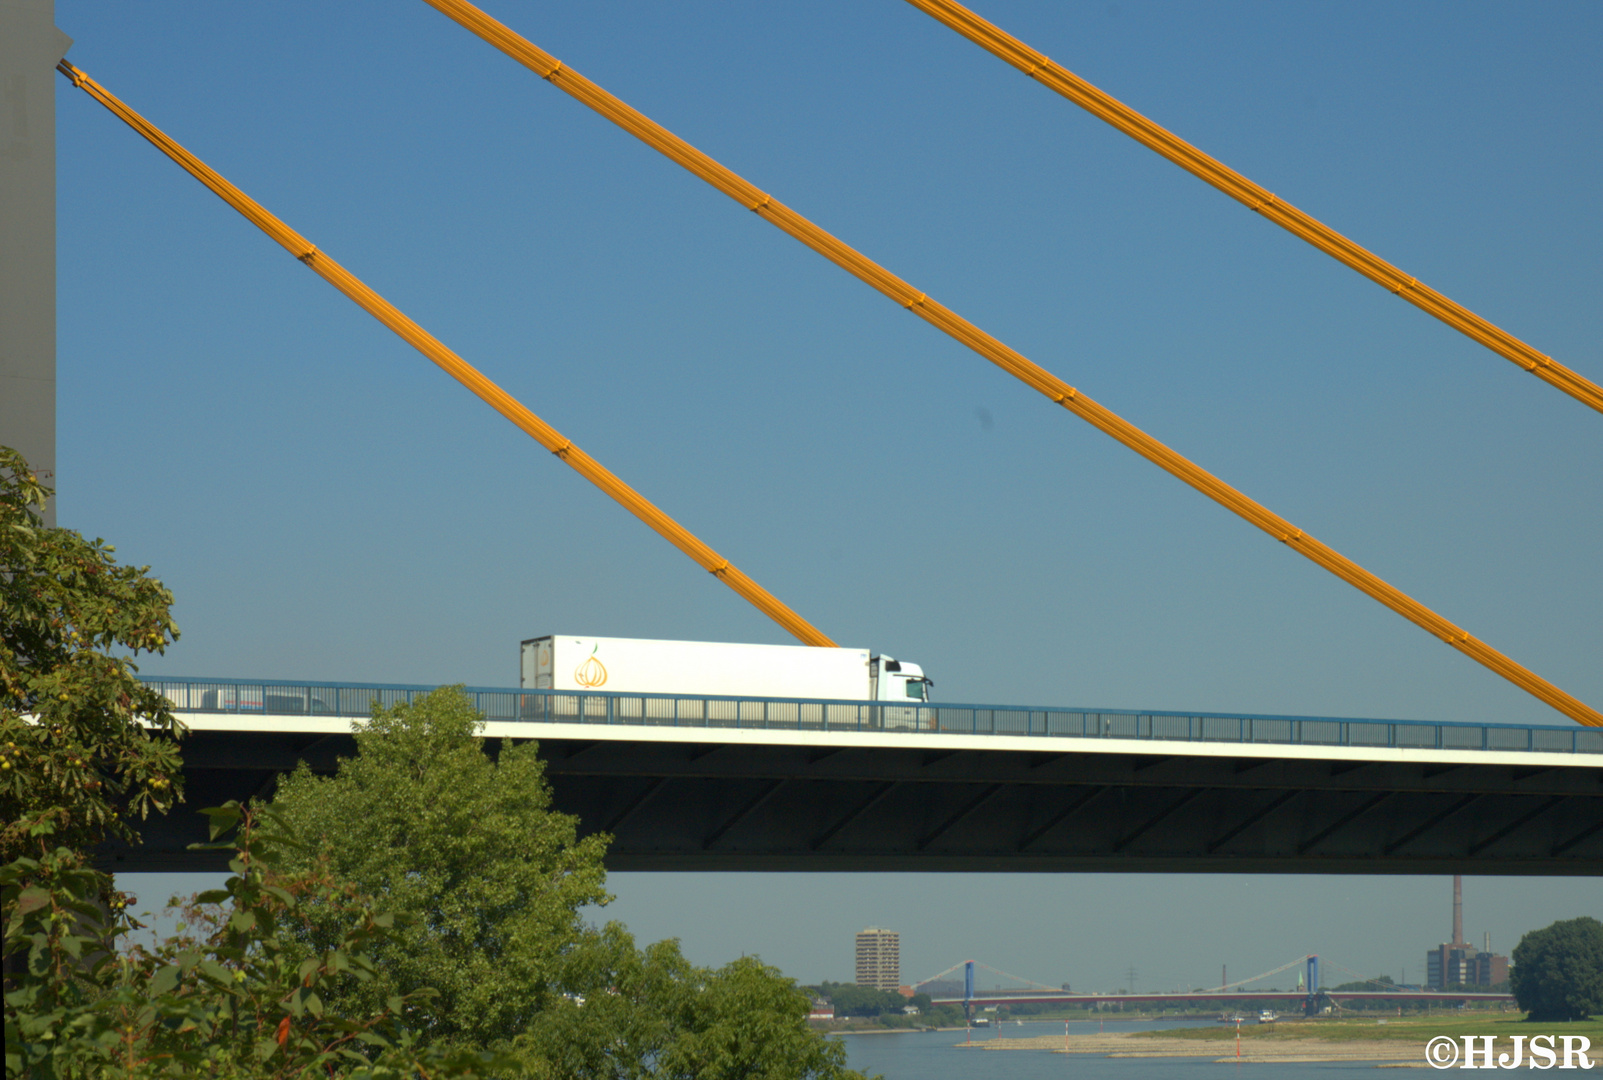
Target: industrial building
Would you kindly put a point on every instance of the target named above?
(879, 959)
(1458, 963)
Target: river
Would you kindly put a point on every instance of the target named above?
(931, 1055)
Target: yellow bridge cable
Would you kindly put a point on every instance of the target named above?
(1038, 66)
(1016, 364)
(459, 369)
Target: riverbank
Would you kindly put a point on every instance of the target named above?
(1384, 1040)
(1131, 1044)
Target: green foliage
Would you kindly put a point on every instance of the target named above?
(492, 881)
(467, 847)
(82, 742)
(1558, 971)
(850, 999)
(235, 1004)
(631, 1013)
(84, 746)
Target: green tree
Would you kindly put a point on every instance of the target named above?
(492, 882)
(467, 847)
(850, 999)
(1558, 971)
(231, 1002)
(84, 746)
(649, 1013)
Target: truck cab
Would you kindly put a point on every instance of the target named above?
(893, 680)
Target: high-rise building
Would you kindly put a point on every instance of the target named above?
(879, 959)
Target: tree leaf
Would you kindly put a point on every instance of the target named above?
(32, 899)
(222, 818)
(283, 896)
(215, 971)
(164, 980)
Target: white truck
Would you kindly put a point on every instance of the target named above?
(715, 668)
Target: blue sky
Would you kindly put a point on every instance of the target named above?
(328, 505)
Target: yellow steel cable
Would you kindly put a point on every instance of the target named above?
(1038, 66)
(459, 369)
(1016, 364)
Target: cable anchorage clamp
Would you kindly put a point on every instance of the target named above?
(719, 570)
(308, 255)
(562, 451)
(548, 76)
(916, 302)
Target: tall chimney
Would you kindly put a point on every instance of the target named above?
(1458, 909)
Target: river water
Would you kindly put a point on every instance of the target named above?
(932, 1055)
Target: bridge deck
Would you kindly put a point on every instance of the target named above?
(1019, 789)
(1241, 999)
(356, 700)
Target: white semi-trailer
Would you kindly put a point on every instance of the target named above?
(715, 668)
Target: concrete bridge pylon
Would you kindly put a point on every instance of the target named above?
(30, 46)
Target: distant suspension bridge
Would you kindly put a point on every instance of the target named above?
(1311, 997)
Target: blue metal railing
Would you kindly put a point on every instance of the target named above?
(357, 700)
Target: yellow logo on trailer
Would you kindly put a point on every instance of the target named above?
(591, 673)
